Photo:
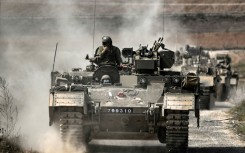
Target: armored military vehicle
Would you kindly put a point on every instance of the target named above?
(198, 61)
(141, 100)
(226, 78)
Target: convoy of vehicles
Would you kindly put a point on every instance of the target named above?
(217, 79)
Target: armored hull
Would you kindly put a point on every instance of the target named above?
(227, 79)
(207, 86)
(134, 103)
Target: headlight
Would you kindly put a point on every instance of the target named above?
(176, 80)
(77, 79)
(143, 81)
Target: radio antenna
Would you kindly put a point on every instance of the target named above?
(55, 55)
(163, 18)
(94, 22)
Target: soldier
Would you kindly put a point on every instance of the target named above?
(107, 54)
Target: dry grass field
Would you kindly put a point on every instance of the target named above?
(120, 7)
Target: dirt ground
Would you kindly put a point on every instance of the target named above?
(215, 129)
(215, 135)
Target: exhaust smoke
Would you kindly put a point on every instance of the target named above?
(28, 44)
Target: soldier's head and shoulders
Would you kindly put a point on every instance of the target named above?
(107, 43)
(107, 54)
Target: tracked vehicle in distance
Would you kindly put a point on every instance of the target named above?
(227, 79)
(198, 61)
(141, 100)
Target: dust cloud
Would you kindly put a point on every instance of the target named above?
(27, 49)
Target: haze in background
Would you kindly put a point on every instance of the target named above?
(27, 48)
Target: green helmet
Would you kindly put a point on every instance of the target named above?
(106, 40)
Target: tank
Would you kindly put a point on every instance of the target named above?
(227, 79)
(198, 61)
(143, 99)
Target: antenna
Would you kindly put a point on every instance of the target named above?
(94, 22)
(163, 18)
(199, 59)
(55, 55)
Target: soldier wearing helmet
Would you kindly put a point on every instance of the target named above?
(107, 54)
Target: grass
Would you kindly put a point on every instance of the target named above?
(238, 113)
(8, 145)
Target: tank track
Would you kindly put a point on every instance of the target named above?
(220, 92)
(161, 134)
(177, 131)
(71, 126)
(205, 98)
(207, 101)
(204, 102)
